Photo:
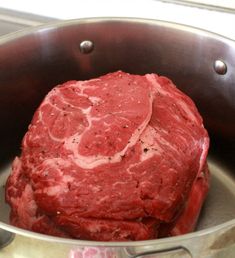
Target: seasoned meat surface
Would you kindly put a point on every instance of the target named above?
(112, 159)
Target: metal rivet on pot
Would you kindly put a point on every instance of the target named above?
(86, 46)
(220, 67)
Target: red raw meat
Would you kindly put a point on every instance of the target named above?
(113, 158)
(187, 221)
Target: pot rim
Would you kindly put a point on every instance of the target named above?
(66, 23)
(78, 242)
(62, 24)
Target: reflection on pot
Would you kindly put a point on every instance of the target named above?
(92, 252)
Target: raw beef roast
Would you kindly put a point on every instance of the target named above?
(120, 157)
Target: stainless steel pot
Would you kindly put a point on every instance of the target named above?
(202, 64)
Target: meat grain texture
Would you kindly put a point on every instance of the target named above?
(121, 157)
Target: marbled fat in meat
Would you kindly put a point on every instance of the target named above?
(114, 158)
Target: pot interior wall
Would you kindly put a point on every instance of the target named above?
(32, 64)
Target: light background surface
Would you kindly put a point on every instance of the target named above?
(215, 21)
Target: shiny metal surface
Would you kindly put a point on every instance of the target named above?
(220, 67)
(6, 238)
(86, 46)
(34, 61)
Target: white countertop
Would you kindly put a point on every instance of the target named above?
(218, 22)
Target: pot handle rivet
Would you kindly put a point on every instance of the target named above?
(86, 46)
(220, 67)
